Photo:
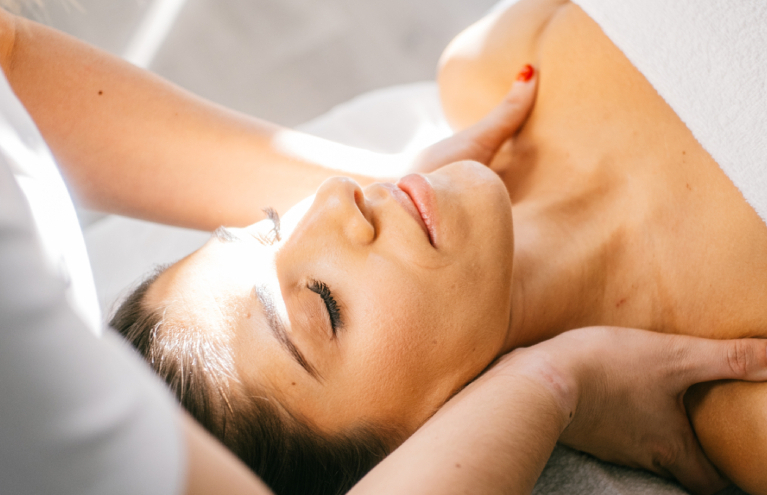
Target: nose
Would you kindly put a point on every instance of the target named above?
(342, 206)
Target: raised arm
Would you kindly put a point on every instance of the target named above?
(129, 142)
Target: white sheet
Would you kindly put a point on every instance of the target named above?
(708, 60)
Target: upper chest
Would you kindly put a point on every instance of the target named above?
(603, 145)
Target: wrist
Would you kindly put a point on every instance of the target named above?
(556, 380)
(562, 386)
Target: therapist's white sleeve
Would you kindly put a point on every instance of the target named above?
(79, 414)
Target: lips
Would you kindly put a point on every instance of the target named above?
(422, 194)
(408, 205)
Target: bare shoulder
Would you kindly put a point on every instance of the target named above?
(478, 67)
(730, 422)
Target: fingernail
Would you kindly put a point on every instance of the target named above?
(527, 73)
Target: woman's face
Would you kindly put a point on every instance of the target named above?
(375, 306)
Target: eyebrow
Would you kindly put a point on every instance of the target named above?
(225, 234)
(264, 296)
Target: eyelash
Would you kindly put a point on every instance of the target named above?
(274, 234)
(331, 305)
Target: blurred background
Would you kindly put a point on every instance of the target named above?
(287, 61)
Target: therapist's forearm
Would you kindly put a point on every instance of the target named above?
(213, 470)
(130, 142)
(492, 438)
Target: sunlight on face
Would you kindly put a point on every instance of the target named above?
(374, 306)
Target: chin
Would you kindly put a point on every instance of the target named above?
(471, 171)
(481, 189)
(474, 213)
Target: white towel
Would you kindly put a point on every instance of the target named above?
(708, 60)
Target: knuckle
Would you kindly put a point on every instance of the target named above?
(679, 353)
(679, 349)
(514, 102)
(665, 456)
(739, 357)
(518, 100)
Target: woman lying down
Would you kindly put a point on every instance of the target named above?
(321, 341)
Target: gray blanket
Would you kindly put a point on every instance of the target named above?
(570, 472)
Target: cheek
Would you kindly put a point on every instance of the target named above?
(401, 334)
(417, 335)
(399, 300)
(433, 319)
(396, 327)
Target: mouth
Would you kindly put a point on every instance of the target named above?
(407, 204)
(420, 192)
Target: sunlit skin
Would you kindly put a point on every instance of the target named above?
(398, 354)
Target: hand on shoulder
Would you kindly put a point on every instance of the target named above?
(482, 141)
(623, 390)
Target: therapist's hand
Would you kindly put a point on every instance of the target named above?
(627, 388)
(482, 141)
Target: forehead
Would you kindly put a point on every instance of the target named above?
(215, 289)
(210, 285)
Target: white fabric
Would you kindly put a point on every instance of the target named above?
(708, 60)
(57, 227)
(79, 414)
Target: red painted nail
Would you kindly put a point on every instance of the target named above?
(527, 73)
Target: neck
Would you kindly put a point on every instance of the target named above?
(573, 263)
(556, 286)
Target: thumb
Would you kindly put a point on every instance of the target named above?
(482, 141)
(740, 359)
(505, 119)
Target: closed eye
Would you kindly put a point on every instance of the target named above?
(334, 312)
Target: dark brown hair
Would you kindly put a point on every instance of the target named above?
(288, 454)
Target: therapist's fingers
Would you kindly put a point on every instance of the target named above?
(503, 121)
(481, 141)
(504, 158)
(709, 360)
(702, 360)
